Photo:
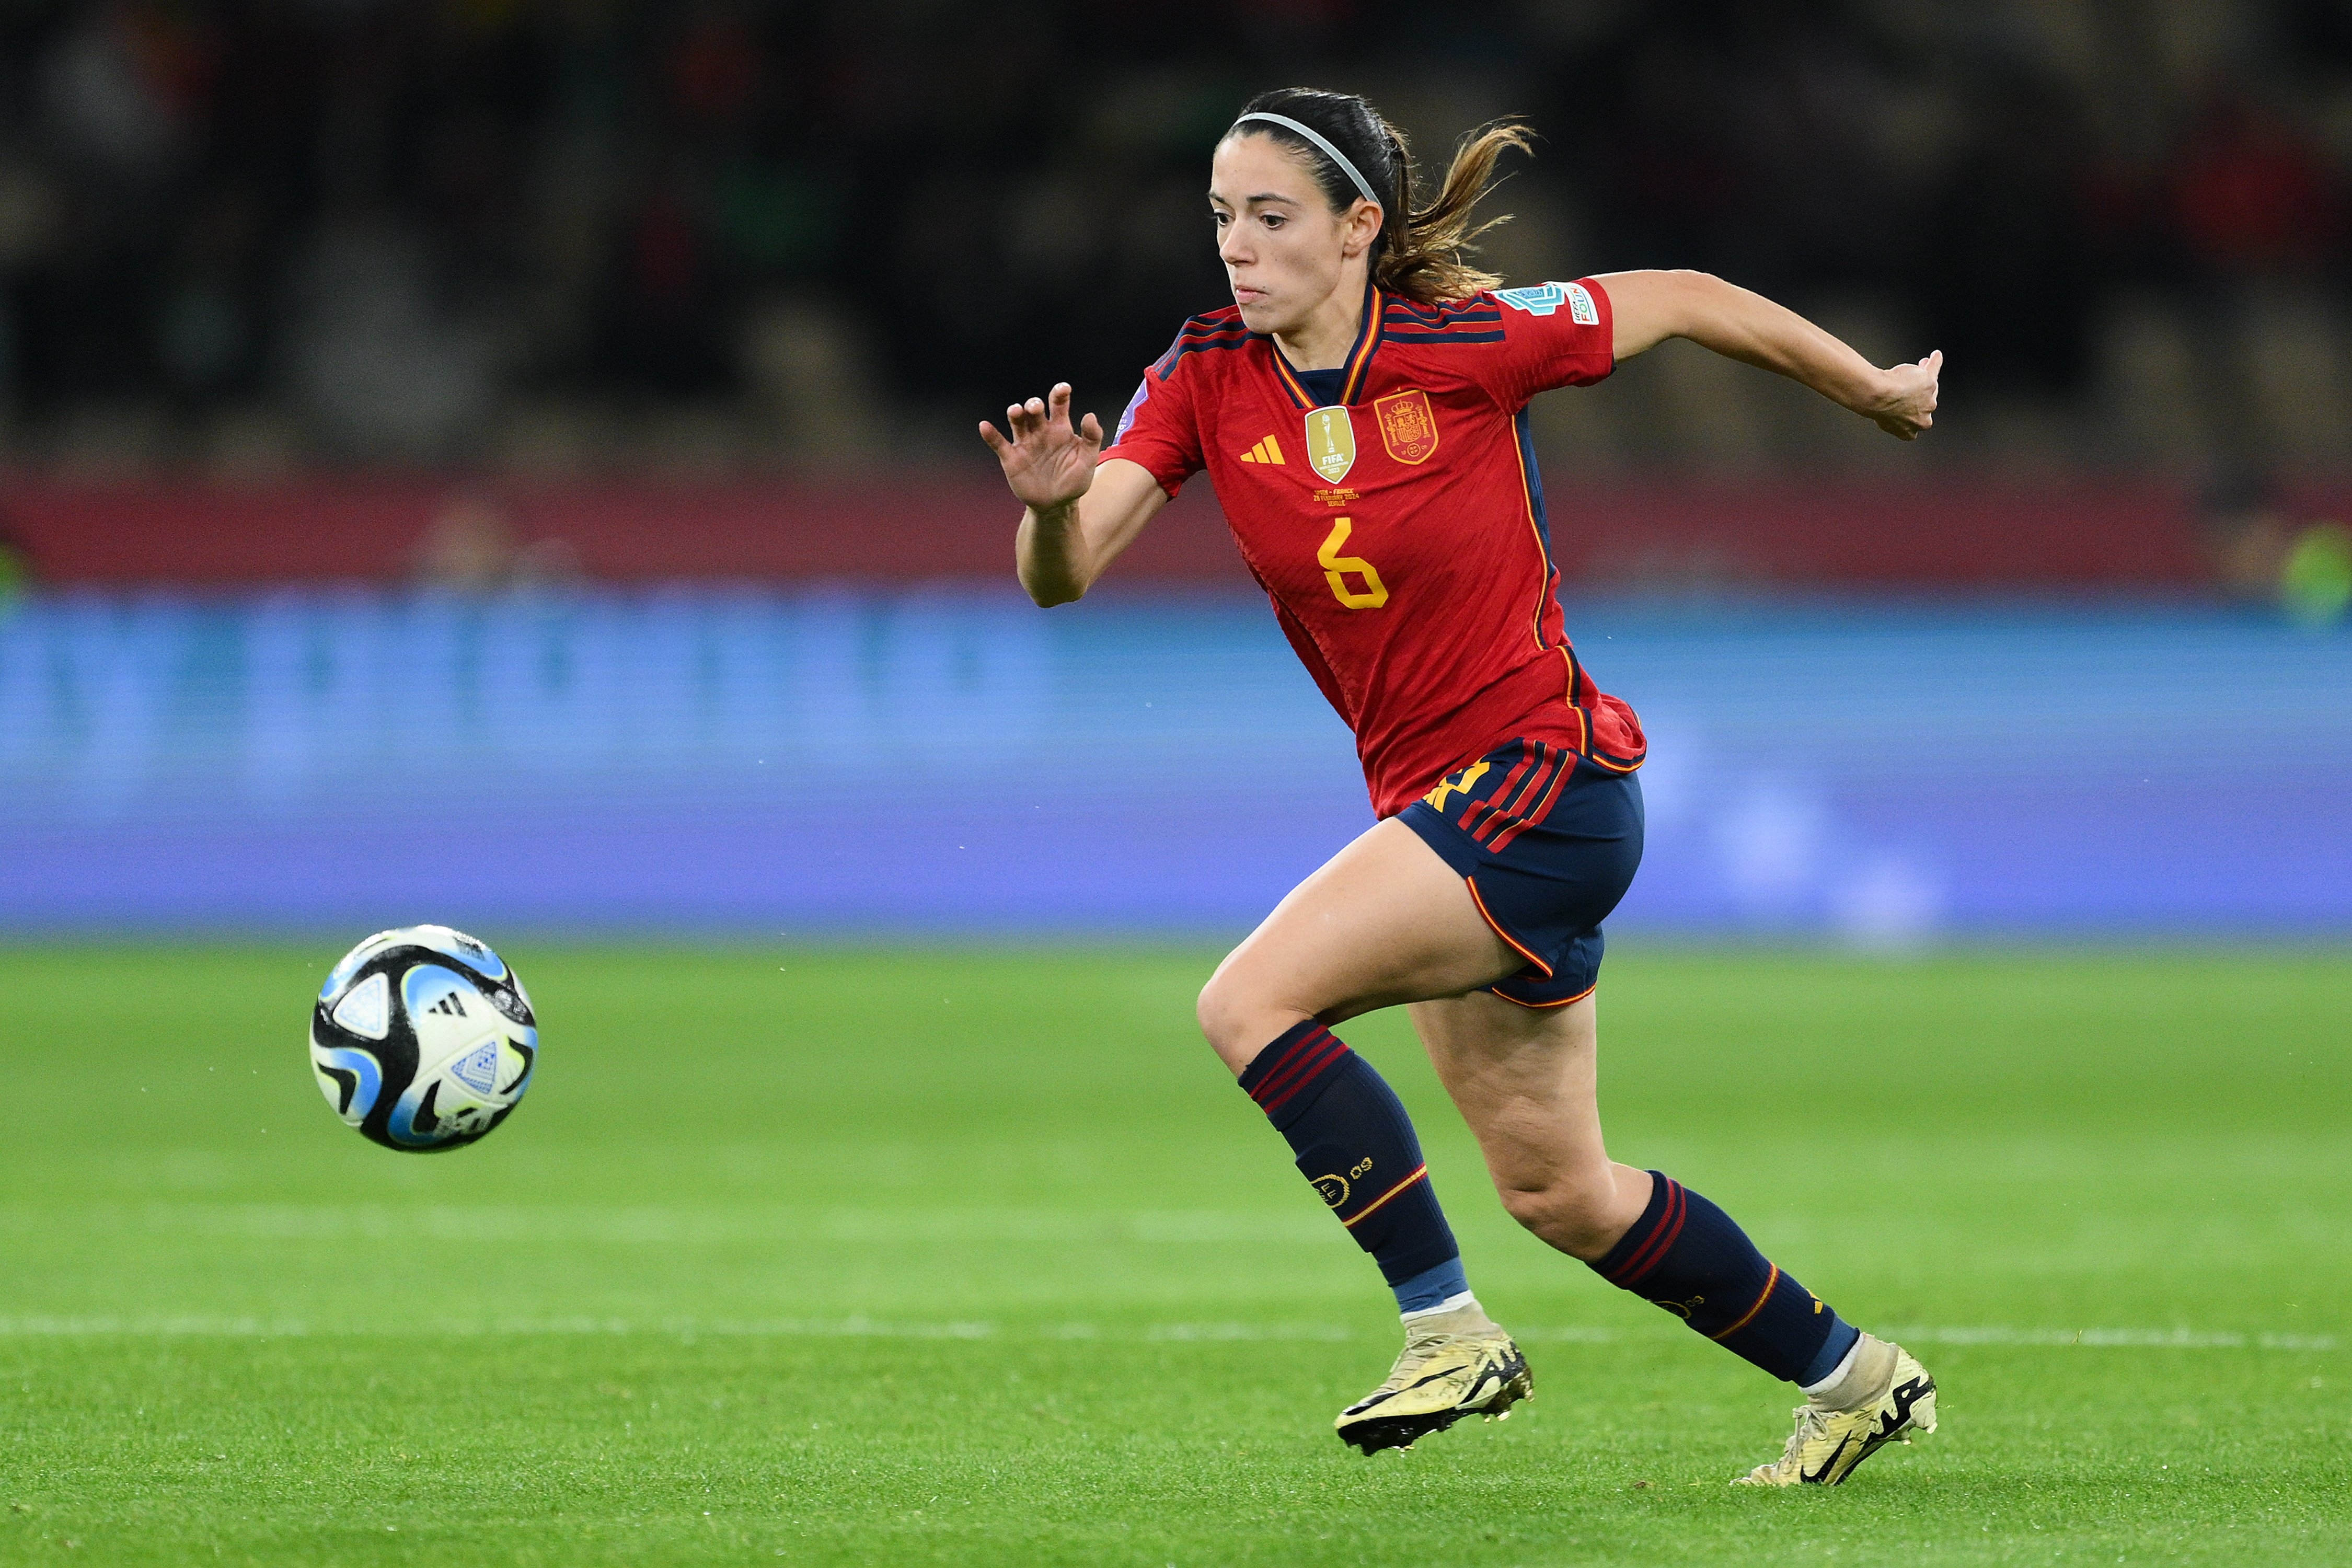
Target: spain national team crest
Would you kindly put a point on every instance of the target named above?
(1331, 441)
(1408, 428)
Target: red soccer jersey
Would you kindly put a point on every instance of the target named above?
(1400, 531)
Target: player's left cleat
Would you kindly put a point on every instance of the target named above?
(1895, 1398)
(1455, 1365)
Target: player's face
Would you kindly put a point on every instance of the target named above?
(1283, 248)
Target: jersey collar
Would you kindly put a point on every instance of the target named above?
(1359, 358)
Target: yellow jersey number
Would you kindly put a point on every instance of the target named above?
(1338, 568)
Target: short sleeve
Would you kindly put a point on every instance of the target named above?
(1159, 430)
(1554, 334)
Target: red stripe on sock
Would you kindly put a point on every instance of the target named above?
(1297, 1051)
(1299, 1061)
(1663, 1242)
(1307, 1074)
(1302, 1051)
(1316, 1071)
(1652, 1251)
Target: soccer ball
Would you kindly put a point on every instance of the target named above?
(423, 1038)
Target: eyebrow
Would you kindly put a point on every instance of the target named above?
(1261, 197)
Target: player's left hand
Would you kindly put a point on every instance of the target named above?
(1906, 401)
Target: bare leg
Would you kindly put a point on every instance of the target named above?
(1526, 1081)
(1382, 922)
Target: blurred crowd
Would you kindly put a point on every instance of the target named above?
(561, 234)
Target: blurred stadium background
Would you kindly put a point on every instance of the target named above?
(512, 463)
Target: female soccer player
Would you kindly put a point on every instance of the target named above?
(1361, 408)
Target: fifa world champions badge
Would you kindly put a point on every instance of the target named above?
(1407, 428)
(1331, 441)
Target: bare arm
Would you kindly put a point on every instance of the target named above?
(1079, 516)
(1647, 307)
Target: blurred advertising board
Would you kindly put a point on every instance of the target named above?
(824, 759)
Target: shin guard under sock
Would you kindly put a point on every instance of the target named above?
(1355, 1144)
(1686, 1255)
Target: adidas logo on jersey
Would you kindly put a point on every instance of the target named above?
(1266, 451)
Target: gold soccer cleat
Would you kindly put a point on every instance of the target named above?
(1895, 1398)
(1455, 1365)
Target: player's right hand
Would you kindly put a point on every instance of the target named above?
(1048, 462)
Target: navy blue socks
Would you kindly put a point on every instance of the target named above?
(1356, 1146)
(1686, 1255)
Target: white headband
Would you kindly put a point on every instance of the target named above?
(1317, 137)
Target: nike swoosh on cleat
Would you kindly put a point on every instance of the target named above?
(1822, 1475)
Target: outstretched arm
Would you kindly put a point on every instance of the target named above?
(1079, 516)
(1647, 307)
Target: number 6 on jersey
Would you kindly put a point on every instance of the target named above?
(1337, 568)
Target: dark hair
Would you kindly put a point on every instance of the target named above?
(1418, 252)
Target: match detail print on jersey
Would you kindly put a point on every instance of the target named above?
(1407, 428)
(1330, 441)
(1338, 568)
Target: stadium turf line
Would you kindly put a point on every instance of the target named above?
(973, 1256)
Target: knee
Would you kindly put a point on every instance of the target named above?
(1236, 1019)
(1220, 1011)
(1571, 1212)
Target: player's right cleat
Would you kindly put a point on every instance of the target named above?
(1455, 1365)
(1895, 1397)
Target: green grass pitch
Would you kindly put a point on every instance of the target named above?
(974, 1256)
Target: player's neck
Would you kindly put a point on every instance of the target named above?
(1323, 338)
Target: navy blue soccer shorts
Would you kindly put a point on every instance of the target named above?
(1547, 842)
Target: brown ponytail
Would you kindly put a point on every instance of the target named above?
(1422, 258)
(1419, 252)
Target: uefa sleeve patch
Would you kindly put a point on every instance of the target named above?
(1134, 407)
(1542, 300)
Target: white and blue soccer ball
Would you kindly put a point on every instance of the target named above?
(423, 1038)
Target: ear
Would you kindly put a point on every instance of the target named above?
(1359, 228)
